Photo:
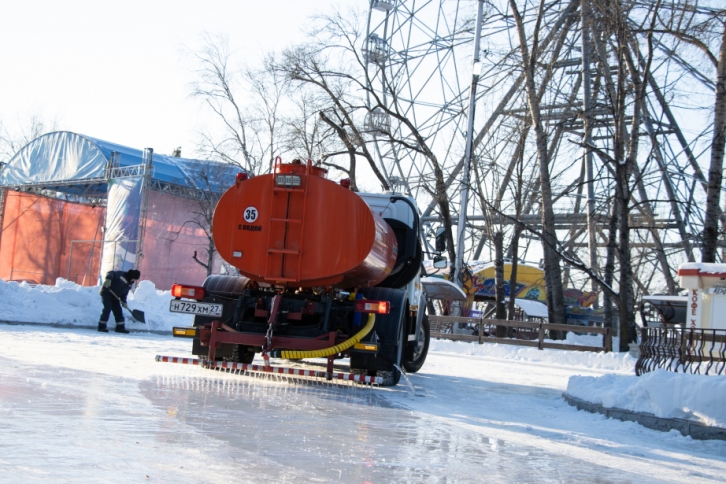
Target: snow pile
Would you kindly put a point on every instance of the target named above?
(69, 303)
(662, 393)
(620, 362)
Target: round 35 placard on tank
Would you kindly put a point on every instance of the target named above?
(250, 214)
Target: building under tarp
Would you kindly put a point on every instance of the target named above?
(76, 207)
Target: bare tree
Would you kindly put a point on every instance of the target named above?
(308, 65)
(268, 89)
(12, 139)
(553, 276)
(246, 101)
(347, 84)
(207, 195)
(307, 136)
(715, 172)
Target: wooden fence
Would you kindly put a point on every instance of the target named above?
(526, 333)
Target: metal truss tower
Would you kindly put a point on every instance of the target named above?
(419, 58)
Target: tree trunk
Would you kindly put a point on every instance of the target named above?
(514, 250)
(210, 256)
(715, 172)
(609, 274)
(627, 298)
(443, 201)
(624, 167)
(500, 309)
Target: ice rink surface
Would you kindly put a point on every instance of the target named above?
(79, 406)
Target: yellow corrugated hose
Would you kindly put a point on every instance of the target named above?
(296, 355)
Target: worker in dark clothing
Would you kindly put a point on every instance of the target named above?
(113, 293)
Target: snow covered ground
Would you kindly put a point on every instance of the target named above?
(79, 405)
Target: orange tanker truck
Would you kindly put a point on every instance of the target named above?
(324, 273)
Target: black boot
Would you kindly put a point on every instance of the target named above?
(102, 327)
(120, 328)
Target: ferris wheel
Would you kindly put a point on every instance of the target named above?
(418, 58)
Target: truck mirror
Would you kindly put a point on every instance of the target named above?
(440, 262)
(440, 240)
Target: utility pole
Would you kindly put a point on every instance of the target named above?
(476, 71)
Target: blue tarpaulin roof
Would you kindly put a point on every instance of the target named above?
(77, 164)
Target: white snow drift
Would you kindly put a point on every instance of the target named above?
(661, 393)
(71, 304)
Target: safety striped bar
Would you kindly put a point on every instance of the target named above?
(174, 359)
(229, 365)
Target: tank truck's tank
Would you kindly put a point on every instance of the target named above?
(295, 228)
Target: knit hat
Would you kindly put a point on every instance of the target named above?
(132, 274)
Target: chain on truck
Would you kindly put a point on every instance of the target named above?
(324, 273)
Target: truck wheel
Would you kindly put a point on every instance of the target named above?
(420, 349)
(241, 354)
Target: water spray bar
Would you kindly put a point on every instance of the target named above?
(228, 365)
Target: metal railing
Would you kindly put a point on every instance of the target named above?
(697, 351)
(525, 333)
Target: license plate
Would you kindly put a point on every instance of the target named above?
(203, 309)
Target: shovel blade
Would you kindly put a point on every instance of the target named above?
(139, 316)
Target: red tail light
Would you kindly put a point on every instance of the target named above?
(378, 307)
(242, 176)
(190, 292)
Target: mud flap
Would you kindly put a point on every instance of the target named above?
(387, 330)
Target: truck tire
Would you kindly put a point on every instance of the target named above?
(241, 354)
(417, 355)
(391, 332)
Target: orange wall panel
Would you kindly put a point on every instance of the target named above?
(37, 234)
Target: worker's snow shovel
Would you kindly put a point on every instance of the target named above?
(136, 315)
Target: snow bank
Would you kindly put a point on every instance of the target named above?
(69, 303)
(662, 393)
(621, 362)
